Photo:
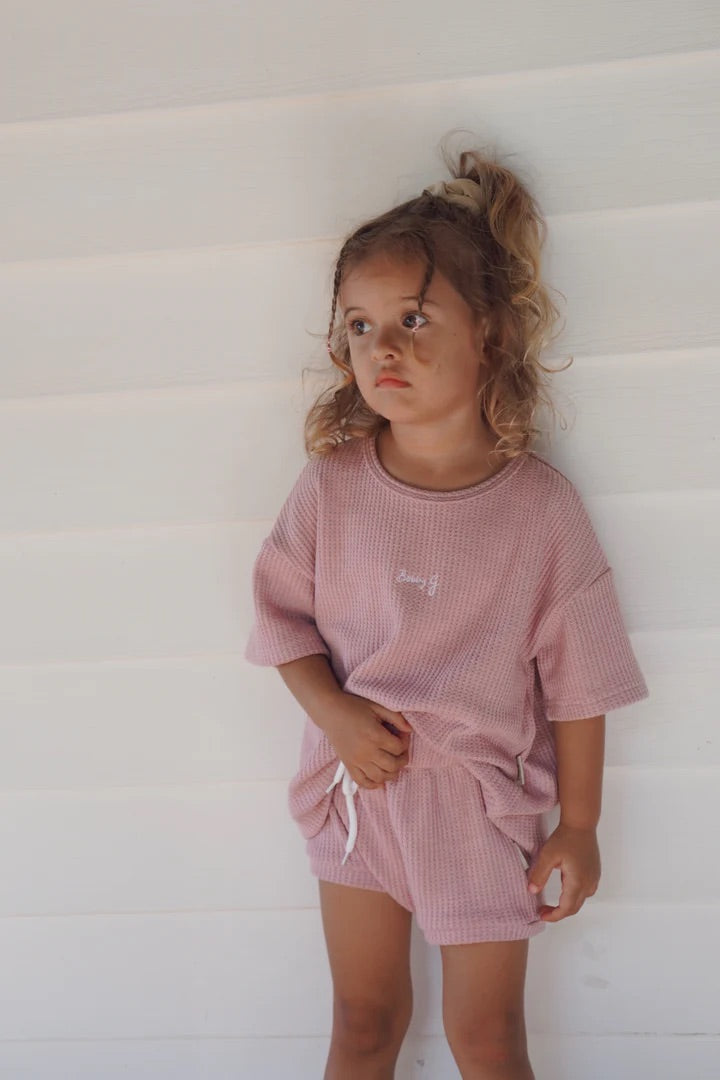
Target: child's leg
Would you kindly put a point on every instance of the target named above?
(484, 1009)
(368, 941)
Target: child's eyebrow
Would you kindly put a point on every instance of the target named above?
(425, 302)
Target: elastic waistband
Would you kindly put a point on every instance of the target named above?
(423, 755)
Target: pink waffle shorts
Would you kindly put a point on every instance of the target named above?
(426, 840)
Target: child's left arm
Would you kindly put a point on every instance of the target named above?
(573, 846)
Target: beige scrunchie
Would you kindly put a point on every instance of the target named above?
(464, 192)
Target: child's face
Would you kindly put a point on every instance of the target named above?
(444, 370)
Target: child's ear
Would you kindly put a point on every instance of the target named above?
(480, 340)
(481, 329)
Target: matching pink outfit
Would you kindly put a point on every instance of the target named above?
(482, 615)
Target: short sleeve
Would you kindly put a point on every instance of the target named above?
(585, 661)
(283, 581)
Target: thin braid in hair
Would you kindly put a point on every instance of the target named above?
(336, 289)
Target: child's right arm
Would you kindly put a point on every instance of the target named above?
(312, 683)
(358, 729)
(371, 740)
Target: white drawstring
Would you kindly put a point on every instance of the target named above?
(349, 787)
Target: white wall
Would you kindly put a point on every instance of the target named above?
(175, 178)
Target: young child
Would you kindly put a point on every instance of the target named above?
(434, 595)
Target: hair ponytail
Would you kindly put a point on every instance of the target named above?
(486, 237)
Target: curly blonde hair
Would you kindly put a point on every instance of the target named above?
(492, 259)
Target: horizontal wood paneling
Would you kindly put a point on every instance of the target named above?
(586, 138)
(592, 1057)
(202, 454)
(162, 273)
(152, 850)
(173, 53)
(153, 592)
(191, 719)
(234, 846)
(264, 974)
(214, 719)
(145, 592)
(166, 457)
(554, 1057)
(635, 282)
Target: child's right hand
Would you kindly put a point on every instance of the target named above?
(370, 740)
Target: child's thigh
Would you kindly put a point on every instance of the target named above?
(484, 986)
(368, 941)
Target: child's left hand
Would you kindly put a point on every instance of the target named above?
(577, 855)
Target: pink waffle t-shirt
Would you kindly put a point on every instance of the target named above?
(481, 614)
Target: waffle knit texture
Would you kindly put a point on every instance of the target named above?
(482, 614)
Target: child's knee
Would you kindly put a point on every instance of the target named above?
(369, 1026)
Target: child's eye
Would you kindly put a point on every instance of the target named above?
(410, 315)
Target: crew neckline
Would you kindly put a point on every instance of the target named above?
(373, 460)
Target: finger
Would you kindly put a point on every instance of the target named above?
(396, 749)
(394, 719)
(376, 772)
(389, 726)
(397, 769)
(378, 767)
(567, 905)
(363, 780)
(391, 763)
(394, 744)
(538, 877)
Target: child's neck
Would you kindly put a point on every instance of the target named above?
(467, 467)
